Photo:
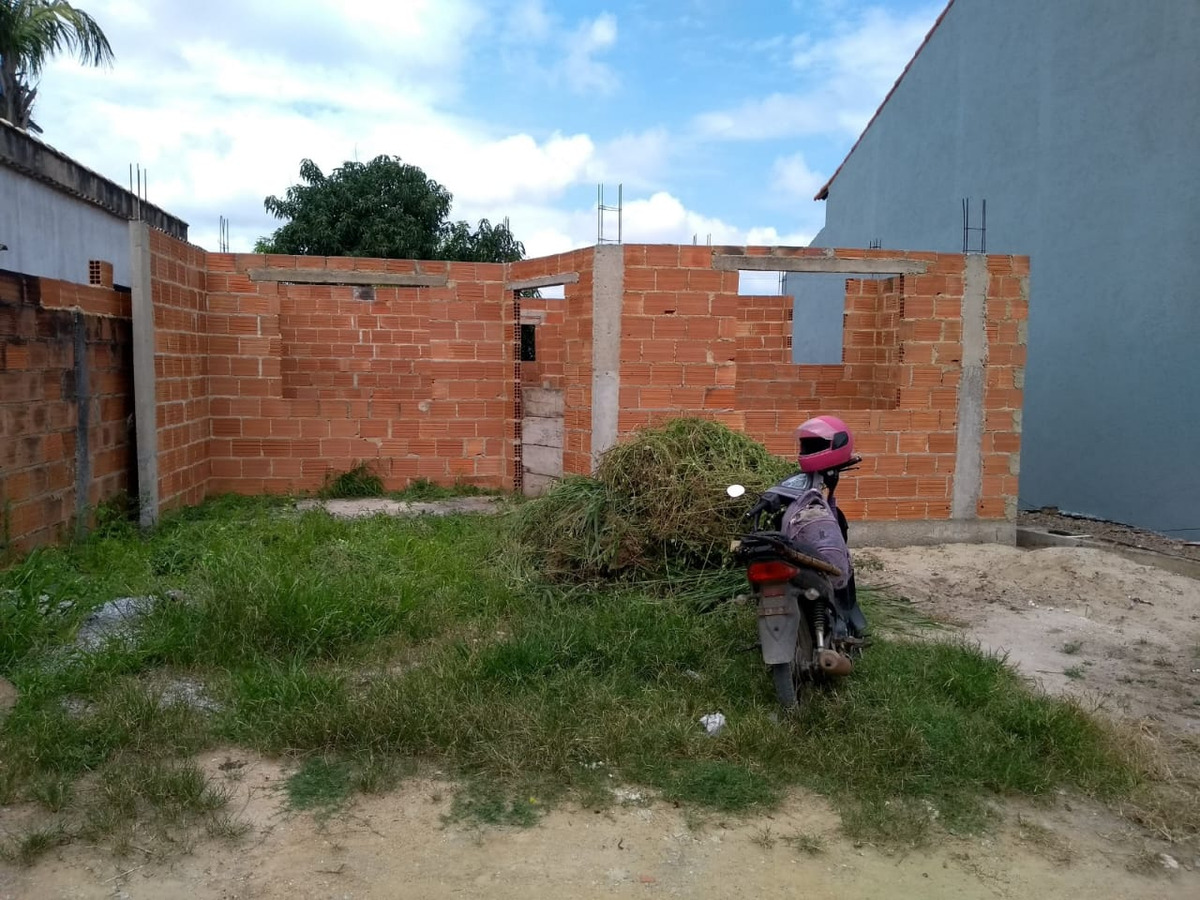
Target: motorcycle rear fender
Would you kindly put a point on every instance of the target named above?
(778, 626)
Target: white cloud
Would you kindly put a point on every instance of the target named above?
(663, 218)
(582, 70)
(222, 114)
(228, 123)
(528, 21)
(845, 74)
(538, 43)
(794, 179)
(660, 218)
(637, 160)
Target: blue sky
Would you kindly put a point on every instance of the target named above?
(720, 117)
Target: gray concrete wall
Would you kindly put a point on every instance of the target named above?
(56, 214)
(53, 235)
(819, 302)
(1079, 122)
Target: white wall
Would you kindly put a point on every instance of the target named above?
(53, 235)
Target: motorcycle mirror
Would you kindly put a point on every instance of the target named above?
(735, 490)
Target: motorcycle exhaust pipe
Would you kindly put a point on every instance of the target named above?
(834, 663)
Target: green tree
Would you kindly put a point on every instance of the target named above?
(33, 31)
(384, 208)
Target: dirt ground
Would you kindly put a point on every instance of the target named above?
(1078, 621)
(1128, 634)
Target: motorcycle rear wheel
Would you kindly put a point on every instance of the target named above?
(790, 678)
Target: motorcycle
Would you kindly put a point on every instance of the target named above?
(801, 575)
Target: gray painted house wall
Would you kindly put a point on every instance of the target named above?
(56, 214)
(53, 235)
(1079, 122)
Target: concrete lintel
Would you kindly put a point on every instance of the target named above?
(968, 460)
(144, 384)
(528, 284)
(820, 264)
(608, 292)
(926, 532)
(343, 276)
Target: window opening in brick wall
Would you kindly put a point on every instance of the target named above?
(818, 317)
(760, 284)
(528, 343)
(818, 310)
(549, 292)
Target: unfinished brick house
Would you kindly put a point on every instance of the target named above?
(264, 374)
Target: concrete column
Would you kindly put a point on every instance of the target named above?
(968, 461)
(83, 423)
(608, 293)
(144, 382)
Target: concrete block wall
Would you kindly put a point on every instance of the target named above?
(66, 406)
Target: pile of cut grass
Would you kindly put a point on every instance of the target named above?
(366, 648)
(656, 508)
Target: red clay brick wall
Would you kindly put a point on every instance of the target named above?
(40, 398)
(679, 337)
(178, 286)
(692, 346)
(1004, 394)
(418, 382)
(271, 387)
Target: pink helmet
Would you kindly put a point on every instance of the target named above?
(824, 443)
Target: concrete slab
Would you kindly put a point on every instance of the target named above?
(534, 485)
(542, 460)
(543, 431)
(928, 532)
(542, 402)
(1035, 538)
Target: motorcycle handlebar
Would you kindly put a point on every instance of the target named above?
(766, 504)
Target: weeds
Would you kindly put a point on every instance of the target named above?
(493, 803)
(1072, 647)
(806, 842)
(359, 482)
(319, 784)
(1075, 673)
(227, 828)
(28, 847)
(363, 645)
(764, 837)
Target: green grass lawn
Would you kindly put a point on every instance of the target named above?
(369, 648)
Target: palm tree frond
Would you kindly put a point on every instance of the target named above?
(35, 30)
